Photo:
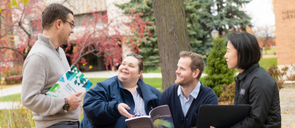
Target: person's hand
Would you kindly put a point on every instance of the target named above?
(212, 127)
(74, 100)
(122, 109)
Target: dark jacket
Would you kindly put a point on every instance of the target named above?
(101, 103)
(170, 97)
(256, 87)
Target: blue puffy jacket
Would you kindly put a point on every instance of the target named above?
(101, 103)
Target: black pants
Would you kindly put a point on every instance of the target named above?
(66, 124)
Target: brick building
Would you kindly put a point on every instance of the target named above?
(285, 31)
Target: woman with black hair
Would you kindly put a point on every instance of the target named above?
(254, 85)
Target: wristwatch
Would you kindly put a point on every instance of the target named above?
(66, 107)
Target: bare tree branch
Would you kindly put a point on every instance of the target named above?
(14, 49)
(6, 32)
(82, 55)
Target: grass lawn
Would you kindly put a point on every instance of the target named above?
(269, 52)
(265, 62)
(95, 80)
(158, 70)
(155, 82)
(14, 97)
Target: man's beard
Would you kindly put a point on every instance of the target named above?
(179, 82)
(183, 82)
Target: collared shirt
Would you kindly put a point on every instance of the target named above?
(186, 103)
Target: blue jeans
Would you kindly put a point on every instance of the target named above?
(66, 124)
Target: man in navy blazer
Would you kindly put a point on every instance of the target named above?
(187, 94)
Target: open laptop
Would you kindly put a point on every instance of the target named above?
(222, 116)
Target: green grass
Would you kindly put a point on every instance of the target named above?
(14, 97)
(269, 52)
(265, 62)
(158, 70)
(95, 80)
(155, 82)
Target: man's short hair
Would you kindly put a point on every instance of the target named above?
(247, 47)
(197, 61)
(53, 12)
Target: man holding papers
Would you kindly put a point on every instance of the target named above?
(187, 94)
(44, 66)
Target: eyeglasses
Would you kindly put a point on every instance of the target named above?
(137, 56)
(72, 25)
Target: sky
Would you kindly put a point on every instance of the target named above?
(261, 12)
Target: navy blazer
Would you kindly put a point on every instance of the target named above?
(101, 103)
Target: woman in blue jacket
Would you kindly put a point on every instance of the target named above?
(110, 102)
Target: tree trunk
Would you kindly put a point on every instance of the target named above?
(172, 36)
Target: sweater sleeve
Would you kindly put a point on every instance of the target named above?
(260, 97)
(98, 108)
(34, 79)
(164, 99)
(211, 98)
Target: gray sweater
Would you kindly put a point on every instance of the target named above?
(42, 68)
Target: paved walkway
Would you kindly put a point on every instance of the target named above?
(269, 56)
(10, 91)
(287, 99)
(9, 105)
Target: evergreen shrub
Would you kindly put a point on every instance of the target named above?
(217, 71)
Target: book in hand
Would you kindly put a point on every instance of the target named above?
(159, 117)
(72, 81)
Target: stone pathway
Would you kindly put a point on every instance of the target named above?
(10, 105)
(10, 91)
(287, 99)
(269, 56)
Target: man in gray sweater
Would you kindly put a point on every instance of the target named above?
(44, 66)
